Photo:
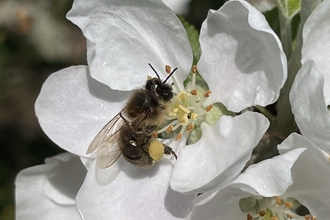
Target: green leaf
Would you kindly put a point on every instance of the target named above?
(289, 7)
(193, 37)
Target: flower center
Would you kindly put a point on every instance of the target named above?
(273, 208)
(186, 110)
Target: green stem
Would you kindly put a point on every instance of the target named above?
(286, 39)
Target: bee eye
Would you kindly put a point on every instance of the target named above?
(165, 94)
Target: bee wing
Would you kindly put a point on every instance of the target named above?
(106, 141)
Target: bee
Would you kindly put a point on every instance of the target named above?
(129, 133)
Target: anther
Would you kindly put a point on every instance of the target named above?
(193, 69)
(190, 127)
(154, 134)
(207, 93)
(288, 204)
(262, 213)
(208, 108)
(168, 69)
(178, 137)
(289, 216)
(249, 217)
(278, 200)
(193, 92)
(169, 129)
(274, 218)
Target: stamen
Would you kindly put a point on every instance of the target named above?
(274, 218)
(168, 69)
(193, 69)
(154, 134)
(262, 213)
(178, 137)
(288, 204)
(207, 93)
(278, 200)
(194, 92)
(249, 217)
(169, 129)
(208, 108)
(289, 216)
(190, 127)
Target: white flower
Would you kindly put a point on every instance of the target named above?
(242, 62)
(48, 191)
(273, 187)
(178, 6)
(310, 93)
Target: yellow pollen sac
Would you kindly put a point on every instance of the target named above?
(156, 150)
(193, 116)
(207, 93)
(194, 69)
(169, 129)
(288, 204)
(194, 92)
(208, 108)
(168, 69)
(278, 200)
(262, 213)
(289, 216)
(178, 137)
(190, 127)
(154, 134)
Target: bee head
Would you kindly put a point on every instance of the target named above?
(163, 90)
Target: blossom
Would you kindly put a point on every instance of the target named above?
(242, 62)
(274, 187)
(310, 92)
(48, 191)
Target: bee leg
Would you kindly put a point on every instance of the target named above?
(169, 150)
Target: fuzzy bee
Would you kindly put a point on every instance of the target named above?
(130, 132)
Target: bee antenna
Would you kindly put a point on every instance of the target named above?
(170, 75)
(154, 70)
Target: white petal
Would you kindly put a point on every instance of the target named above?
(223, 205)
(72, 108)
(48, 191)
(135, 194)
(220, 154)
(126, 35)
(263, 5)
(316, 42)
(311, 177)
(178, 6)
(270, 177)
(242, 58)
(309, 107)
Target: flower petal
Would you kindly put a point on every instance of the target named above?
(271, 177)
(124, 36)
(242, 58)
(135, 194)
(60, 178)
(309, 107)
(223, 205)
(316, 44)
(311, 176)
(268, 178)
(72, 108)
(220, 154)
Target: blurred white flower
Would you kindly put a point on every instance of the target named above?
(48, 191)
(310, 92)
(263, 5)
(178, 6)
(274, 188)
